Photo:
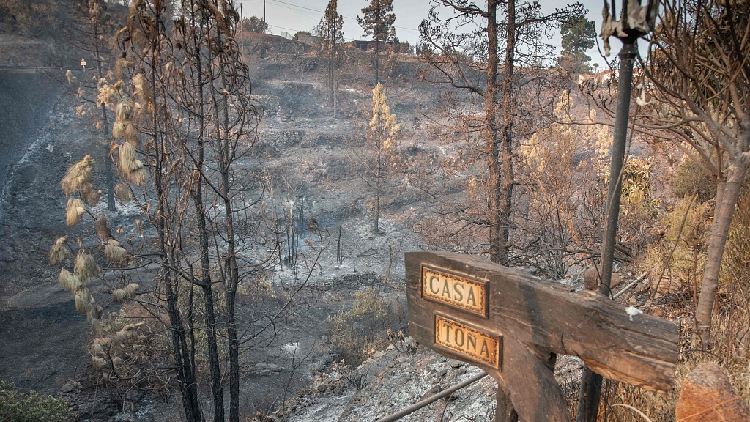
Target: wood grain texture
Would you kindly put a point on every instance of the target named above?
(640, 350)
(533, 389)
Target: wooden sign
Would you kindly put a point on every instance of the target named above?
(472, 343)
(518, 323)
(459, 291)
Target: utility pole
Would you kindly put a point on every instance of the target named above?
(591, 383)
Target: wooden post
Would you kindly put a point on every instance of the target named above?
(512, 325)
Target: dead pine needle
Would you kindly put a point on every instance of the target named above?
(138, 177)
(59, 251)
(128, 158)
(124, 294)
(102, 228)
(78, 177)
(123, 193)
(72, 80)
(69, 281)
(142, 88)
(118, 130)
(92, 197)
(123, 110)
(115, 253)
(73, 211)
(86, 267)
(130, 165)
(84, 301)
(95, 312)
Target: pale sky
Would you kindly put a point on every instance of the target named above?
(292, 16)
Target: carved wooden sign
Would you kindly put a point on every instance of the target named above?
(455, 290)
(473, 343)
(513, 325)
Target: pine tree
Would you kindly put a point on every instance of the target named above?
(382, 132)
(377, 20)
(578, 35)
(501, 44)
(331, 33)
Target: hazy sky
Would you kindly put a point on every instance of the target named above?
(292, 16)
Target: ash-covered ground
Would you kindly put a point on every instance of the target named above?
(316, 162)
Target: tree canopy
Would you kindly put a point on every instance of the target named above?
(578, 35)
(378, 19)
(254, 24)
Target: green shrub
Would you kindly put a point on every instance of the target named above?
(32, 407)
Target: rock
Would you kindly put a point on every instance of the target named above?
(590, 279)
(615, 281)
(263, 369)
(707, 396)
(71, 386)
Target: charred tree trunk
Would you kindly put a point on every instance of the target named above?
(180, 350)
(108, 176)
(378, 13)
(378, 187)
(490, 135)
(226, 156)
(231, 294)
(497, 180)
(506, 140)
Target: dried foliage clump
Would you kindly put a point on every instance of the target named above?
(115, 253)
(84, 301)
(74, 211)
(70, 281)
(142, 89)
(59, 251)
(78, 177)
(86, 267)
(383, 123)
(124, 127)
(691, 179)
(76, 284)
(102, 229)
(359, 331)
(78, 180)
(120, 65)
(72, 80)
(127, 354)
(108, 94)
(125, 294)
(736, 263)
(130, 166)
(677, 260)
(123, 193)
(125, 130)
(564, 193)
